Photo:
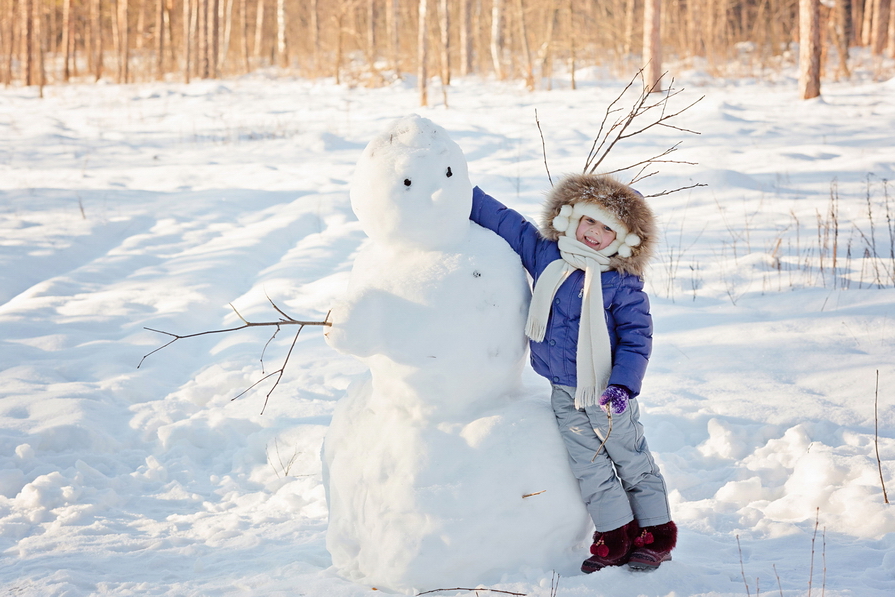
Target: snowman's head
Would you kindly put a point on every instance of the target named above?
(411, 186)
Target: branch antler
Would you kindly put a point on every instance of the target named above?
(628, 124)
(284, 320)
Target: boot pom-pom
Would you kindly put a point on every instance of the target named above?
(645, 538)
(601, 551)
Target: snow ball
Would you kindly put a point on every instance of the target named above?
(724, 441)
(742, 493)
(411, 186)
(24, 452)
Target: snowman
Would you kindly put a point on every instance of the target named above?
(441, 468)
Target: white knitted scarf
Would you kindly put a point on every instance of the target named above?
(594, 353)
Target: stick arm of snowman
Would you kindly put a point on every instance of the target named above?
(284, 320)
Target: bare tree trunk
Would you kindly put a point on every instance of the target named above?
(96, 35)
(160, 41)
(196, 32)
(809, 48)
(839, 32)
(422, 54)
(445, 27)
(169, 31)
(28, 41)
(394, 35)
(652, 42)
(67, 34)
(141, 24)
(630, 7)
(244, 15)
(880, 29)
(526, 50)
(571, 35)
(371, 33)
(202, 41)
(228, 31)
(867, 25)
(123, 47)
(465, 37)
(282, 58)
(315, 33)
(497, 37)
(259, 28)
(188, 28)
(9, 29)
(890, 50)
(214, 36)
(545, 56)
(39, 38)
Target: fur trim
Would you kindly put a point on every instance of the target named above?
(626, 207)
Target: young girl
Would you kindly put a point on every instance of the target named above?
(591, 336)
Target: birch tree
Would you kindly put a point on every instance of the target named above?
(809, 48)
(282, 57)
(445, 27)
(67, 31)
(422, 54)
(497, 37)
(466, 37)
(652, 42)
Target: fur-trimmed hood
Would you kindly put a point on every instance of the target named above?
(615, 204)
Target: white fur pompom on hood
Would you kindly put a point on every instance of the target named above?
(615, 204)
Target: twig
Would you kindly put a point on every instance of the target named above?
(742, 568)
(246, 324)
(554, 584)
(279, 373)
(876, 436)
(608, 432)
(811, 570)
(543, 147)
(823, 586)
(619, 130)
(528, 495)
(476, 589)
(692, 186)
(285, 320)
(779, 586)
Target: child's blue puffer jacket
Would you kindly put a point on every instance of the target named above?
(625, 304)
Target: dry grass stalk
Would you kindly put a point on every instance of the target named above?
(879, 462)
(742, 568)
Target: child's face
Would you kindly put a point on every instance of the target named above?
(594, 234)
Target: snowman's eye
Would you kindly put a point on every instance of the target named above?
(406, 182)
(449, 173)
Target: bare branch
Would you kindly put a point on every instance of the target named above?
(692, 186)
(474, 589)
(288, 320)
(543, 147)
(237, 313)
(634, 121)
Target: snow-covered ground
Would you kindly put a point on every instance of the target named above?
(156, 205)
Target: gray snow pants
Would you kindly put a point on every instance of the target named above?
(623, 482)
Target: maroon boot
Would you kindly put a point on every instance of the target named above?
(653, 546)
(611, 548)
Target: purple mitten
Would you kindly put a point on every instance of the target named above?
(617, 397)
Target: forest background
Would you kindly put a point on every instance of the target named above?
(374, 42)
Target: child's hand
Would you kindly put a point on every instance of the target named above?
(617, 397)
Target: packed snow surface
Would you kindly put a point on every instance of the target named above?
(160, 205)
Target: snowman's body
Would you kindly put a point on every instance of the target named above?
(427, 460)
